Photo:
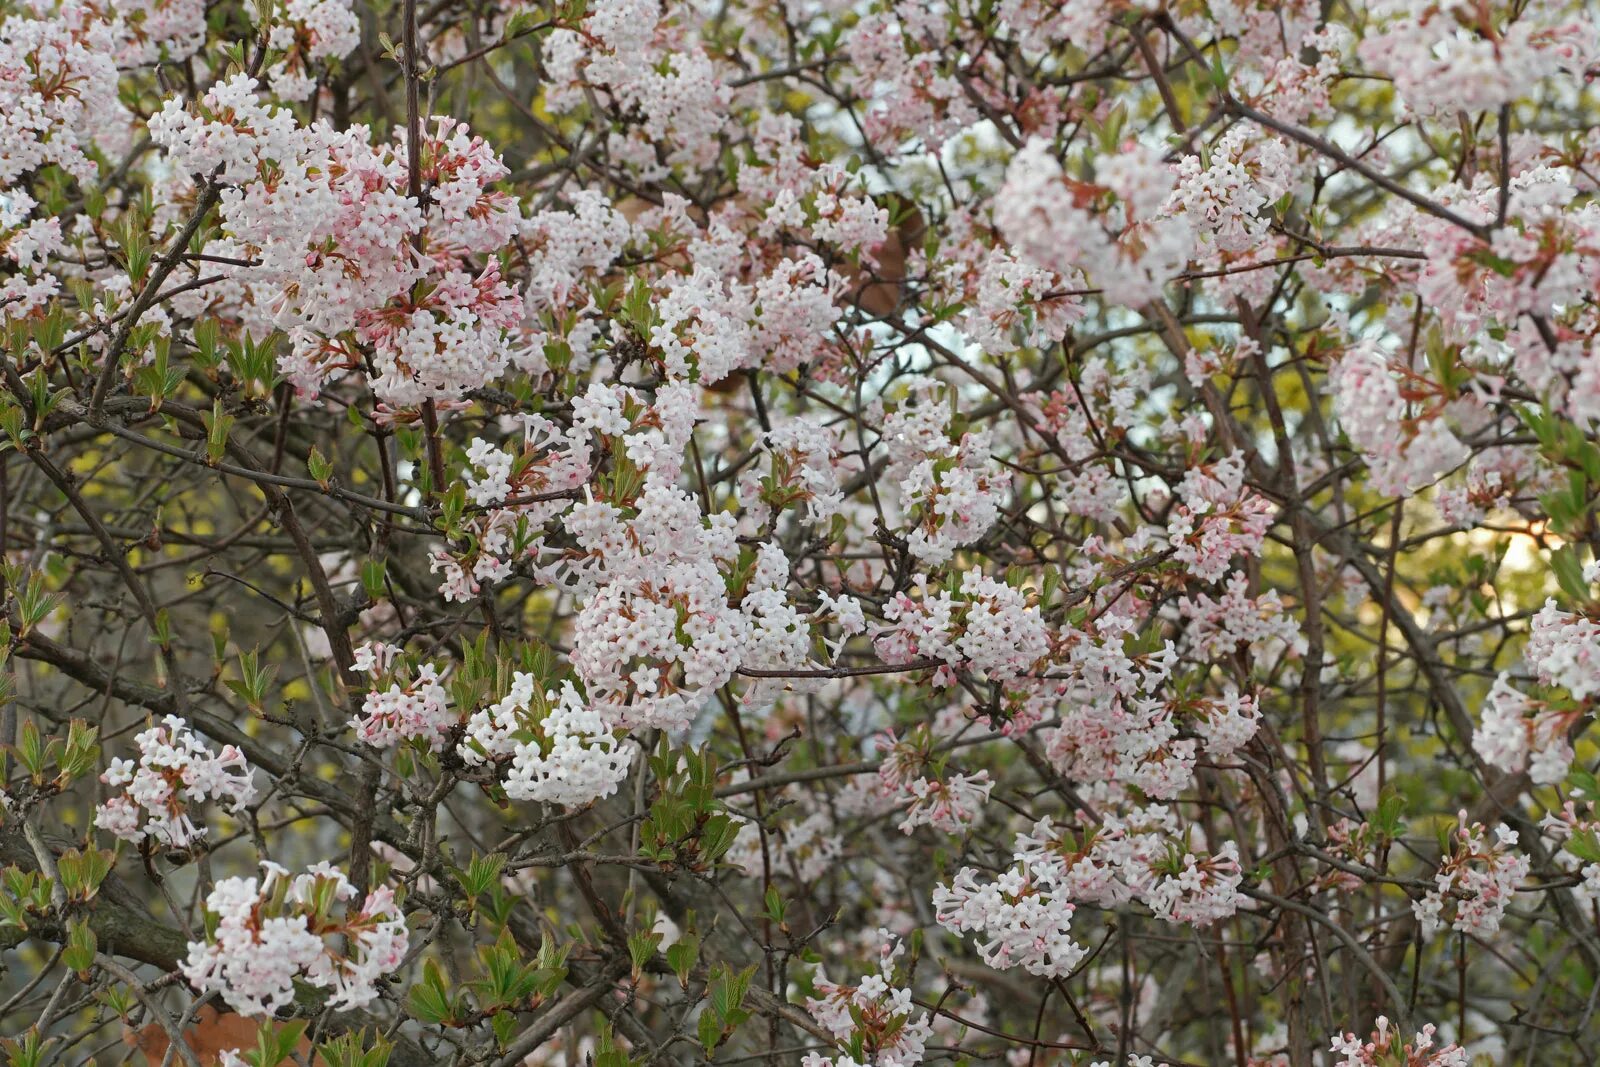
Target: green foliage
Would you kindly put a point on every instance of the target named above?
(275, 1043)
(354, 1049)
(724, 1009)
(687, 824)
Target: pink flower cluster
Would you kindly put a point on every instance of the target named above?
(559, 750)
(58, 88)
(1475, 882)
(876, 1011)
(175, 772)
(1575, 829)
(658, 636)
(1024, 915)
(27, 246)
(938, 797)
(1458, 56)
(1404, 452)
(1111, 230)
(949, 484)
(343, 249)
(1217, 519)
(306, 33)
(516, 491)
(974, 624)
(404, 704)
(267, 933)
(1385, 1049)
(1564, 650)
(1520, 733)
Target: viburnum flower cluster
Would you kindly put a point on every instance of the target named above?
(1574, 828)
(560, 750)
(932, 794)
(403, 704)
(1457, 55)
(975, 625)
(307, 34)
(658, 635)
(58, 89)
(1386, 1047)
(266, 933)
(514, 491)
(1475, 883)
(1025, 914)
(340, 249)
(875, 1015)
(1404, 450)
(1522, 732)
(948, 483)
(176, 772)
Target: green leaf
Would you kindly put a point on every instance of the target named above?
(1568, 570)
(351, 1049)
(709, 1030)
(430, 1003)
(641, 946)
(683, 954)
(78, 955)
(1584, 845)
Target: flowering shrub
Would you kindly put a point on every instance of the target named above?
(1078, 518)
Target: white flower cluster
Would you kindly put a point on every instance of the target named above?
(28, 245)
(1115, 726)
(410, 708)
(307, 32)
(949, 483)
(1575, 831)
(1226, 195)
(272, 931)
(1475, 882)
(627, 52)
(1564, 650)
(911, 776)
(341, 245)
(58, 85)
(516, 494)
(1024, 915)
(802, 468)
(560, 750)
(1520, 733)
(978, 625)
(1381, 1049)
(1403, 454)
(1226, 724)
(1114, 231)
(1219, 518)
(877, 1010)
(658, 637)
(152, 30)
(1461, 57)
(1217, 625)
(777, 633)
(569, 248)
(951, 804)
(175, 771)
